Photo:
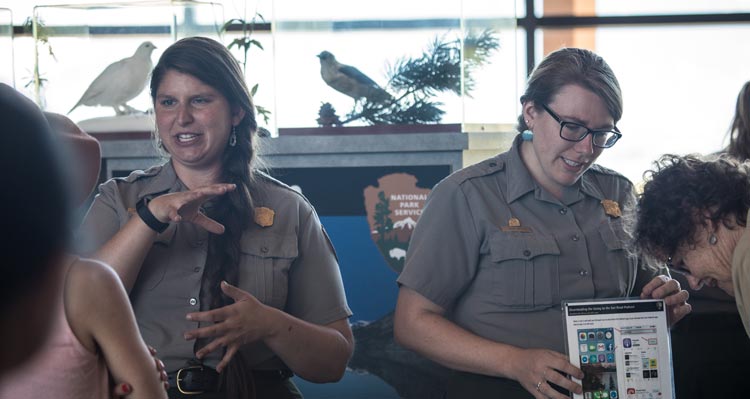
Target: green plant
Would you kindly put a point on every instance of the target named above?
(41, 36)
(244, 43)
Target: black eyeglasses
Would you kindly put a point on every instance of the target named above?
(572, 131)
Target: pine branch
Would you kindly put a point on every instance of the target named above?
(416, 80)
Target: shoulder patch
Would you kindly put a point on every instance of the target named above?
(484, 168)
(264, 178)
(603, 170)
(139, 174)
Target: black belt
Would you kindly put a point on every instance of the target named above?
(194, 380)
(198, 379)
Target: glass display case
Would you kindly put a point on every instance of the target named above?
(394, 63)
(6, 47)
(75, 43)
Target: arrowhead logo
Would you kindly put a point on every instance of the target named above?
(393, 208)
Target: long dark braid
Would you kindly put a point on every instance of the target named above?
(235, 212)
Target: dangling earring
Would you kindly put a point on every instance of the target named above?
(527, 135)
(158, 143)
(712, 239)
(233, 137)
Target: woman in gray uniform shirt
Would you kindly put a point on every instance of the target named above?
(231, 275)
(500, 244)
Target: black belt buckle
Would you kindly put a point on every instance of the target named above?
(179, 378)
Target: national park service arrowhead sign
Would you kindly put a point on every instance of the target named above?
(393, 208)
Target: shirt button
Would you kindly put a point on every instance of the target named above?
(583, 272)
(526, 252)
(264, 249)
(197, 269)
(576, 237)
(193, 301)
(563, 211)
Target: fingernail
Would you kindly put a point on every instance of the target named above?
(189, 316)
(188, 336)
(125, 388)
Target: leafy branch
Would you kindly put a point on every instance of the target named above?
(244, 43)
(41, 35)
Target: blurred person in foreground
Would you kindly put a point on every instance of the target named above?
(66, 320)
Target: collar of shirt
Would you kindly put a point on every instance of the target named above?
(520, 182)
(163, 181)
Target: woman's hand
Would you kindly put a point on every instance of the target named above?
(185, 206)
(243, 322)
(124, 389)
(535, 369)
(667, 288)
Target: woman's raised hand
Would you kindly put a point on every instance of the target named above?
(185, 206)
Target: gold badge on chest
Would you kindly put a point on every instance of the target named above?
(264, 216)
(611, 208)
(514, 225)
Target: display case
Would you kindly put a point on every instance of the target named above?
(6, 47)
(75, 43)
(394, 63)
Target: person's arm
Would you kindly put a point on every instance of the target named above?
(315, 353)
(100, 315)
(420, 325)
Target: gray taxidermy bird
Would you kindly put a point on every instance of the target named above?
(120, 82)
(349, 80)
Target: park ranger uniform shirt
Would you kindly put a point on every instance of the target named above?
(289, 265)
(499, 253)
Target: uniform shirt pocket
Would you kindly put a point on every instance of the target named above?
(524, 271)
(264, 266)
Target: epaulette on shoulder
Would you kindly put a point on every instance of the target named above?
(602, 171)
(484, 168)
(596, 168)
(266, 178)
(140, 174)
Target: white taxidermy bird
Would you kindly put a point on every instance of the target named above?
(120, 82)
(349, 80)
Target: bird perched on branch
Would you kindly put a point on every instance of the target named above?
(120, 82)
(349, 80)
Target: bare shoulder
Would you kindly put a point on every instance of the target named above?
(93, 291)
(91, 277)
